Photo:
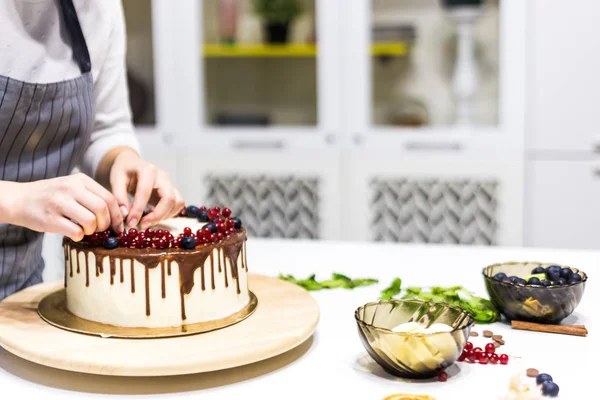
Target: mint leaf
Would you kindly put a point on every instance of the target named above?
(364, 282)
(337, 281)
(341, 277)
(392, 290)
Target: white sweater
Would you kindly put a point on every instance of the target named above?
(33, 49)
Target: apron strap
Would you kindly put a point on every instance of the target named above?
(80, 49)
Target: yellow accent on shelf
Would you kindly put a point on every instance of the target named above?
(291, 50)
(389, 49)
(260, 50)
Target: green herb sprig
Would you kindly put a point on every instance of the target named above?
(337, 281)
(482, 310)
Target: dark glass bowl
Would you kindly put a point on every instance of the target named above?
(412, 355)
(532, 303)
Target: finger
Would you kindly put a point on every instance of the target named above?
(80, 215)
(119, 184)
(145, 184)
(115, 216)
(96, 205)
(162, 208)
(65, 227)
(179, 204)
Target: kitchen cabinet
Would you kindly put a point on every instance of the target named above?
(563, 145)
(425, 198)
(565, 90)
(562, 206)
(415, 169)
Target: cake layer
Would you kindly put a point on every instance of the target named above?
(157, 287)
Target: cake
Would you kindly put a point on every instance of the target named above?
(188, 269)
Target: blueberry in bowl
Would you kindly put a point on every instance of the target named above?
(534, 291)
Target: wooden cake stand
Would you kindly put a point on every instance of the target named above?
(285, 317)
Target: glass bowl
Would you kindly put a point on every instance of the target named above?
(532, 302)
(407, 354)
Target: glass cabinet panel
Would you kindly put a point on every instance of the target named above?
(434, 62)
(260, 62)
(140, 66)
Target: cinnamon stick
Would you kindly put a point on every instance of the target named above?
(576, 330)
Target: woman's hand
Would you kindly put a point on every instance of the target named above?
(129, 174)
(73, 205)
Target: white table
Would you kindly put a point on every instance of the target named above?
(333, 364)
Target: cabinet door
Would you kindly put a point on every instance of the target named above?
(450, 199)
(277, 194)
(564, 199)
(564, 71)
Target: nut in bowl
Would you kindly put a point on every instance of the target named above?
(534, 292)
(413, 338)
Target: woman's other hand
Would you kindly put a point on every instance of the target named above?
(129, 174)
(73, 206)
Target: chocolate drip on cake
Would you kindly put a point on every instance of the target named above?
(232, 252)
(87, 269)
(222, 252)
(162, 280)
(121, 270)
(113, 270)
(183, 316)
(244, 257)
(187, 260)
(147, 278)
(132, 277)
(219, 260)
(68, 255)
(67, 261)
(212, 270)
(202, 277)
(99, 266)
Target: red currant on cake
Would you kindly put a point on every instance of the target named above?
(159, 233)
(132, 232)
(203, 208)
(226, 212)
(221, 227)
(212, 213)
(187, 231)
(149, 233)
(183, 212)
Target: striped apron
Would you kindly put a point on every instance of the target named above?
(44, 129)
